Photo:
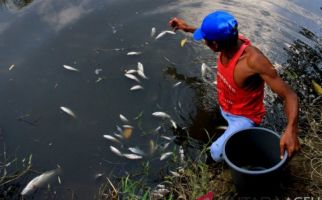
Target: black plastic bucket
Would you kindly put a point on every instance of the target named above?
(253, 155)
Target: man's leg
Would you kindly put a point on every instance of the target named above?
(235, 123)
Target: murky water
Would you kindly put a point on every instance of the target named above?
(39, 37)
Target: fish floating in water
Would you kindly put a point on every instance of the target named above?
(68, 111)
(134, 53)
(70, 68)
(136, 150)
(164, 33)
(140, 70)
(161, 115)
(131, 71)
(153, 31)
(39, 181)
(183, 42)
(116, 151)
(11, 67)
(131, 76)
(177, 84)
(132, 156)
(98, 71)
(123, 118)
(111, 138)
(165, 155)
(136, 87)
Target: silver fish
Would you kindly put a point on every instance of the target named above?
(141, 70)
(119, 136)
(131, 71)
(97, 71)
(111, 138)
(178, 83)
(181, 153)
(173, 124)
(116, 151)
(119, 129)
(163, 33)
(175, 173)
(157, 129)
(167, 138)
(68, 111)
(127, 126)
(203, 69)
(153, 31)
(11, 67)
(165, 155)
(132, 156)
(70, 68)
(39, 181)
(123, 118)
(136, 87)
(134, 53)
(131, 76)
(136, 150)
(59, 180)
(165, 145)
(161, 114)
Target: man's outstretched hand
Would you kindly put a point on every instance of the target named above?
(180, 24)
(290, 142)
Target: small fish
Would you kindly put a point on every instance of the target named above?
(136, 87)
(111, 138)
(119, 129)
(68, 111)
(153, 31)
(166, 145)
(59, 180)
(161, 115)
(174, 125)
(131, 71)
(38, 181)
(99, 79)
(131, 76)
(11, 67)
(123, 118)
(167, 138)
(178, 83)
(116, 151)
(134, 53)
(127, 133)
(140, 70)
(157, 129)
(183, 42)
(97, 71)
(181, 154)
(165, 155)
(136, 150)
(128, 126)
(119, 136)
(99, 175)
(163, 33)
(70, 68)
(132, 156)
(175, 173)
(203, 69)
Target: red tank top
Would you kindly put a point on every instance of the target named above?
(236, 100)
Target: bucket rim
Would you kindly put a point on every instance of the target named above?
(245, 171)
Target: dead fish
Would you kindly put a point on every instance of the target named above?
(181, 154)
(128, 126)
(167, 138)
(165, 155)
(70, 68)
(116, 151)
(99, 175)
(131, 71)
(161, 115)
(131, 76)
(119, 129)
(153, 31)
(123, 118)
(68, 111)
(157, 129)
(178, 83)
(140, 70)
(175, 173)
(59, 180)
(132, 156)
(166, 145)
(174, 125)
(111, 138)
(127, 132)
(134, 53)
(39, 181)
(203, 69)
(183, 42)
(97, 71)
(119, 136)
(11, 67)
(136, 87)
(136, 150)
(99, 79)
(163, 33)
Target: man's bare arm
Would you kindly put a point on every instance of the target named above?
(261, 65)
(180, 24)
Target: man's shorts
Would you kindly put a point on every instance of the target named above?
(235, 123)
